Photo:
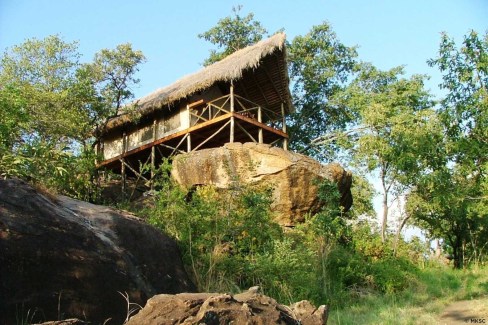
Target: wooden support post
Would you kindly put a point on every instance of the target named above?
(188, 136)
(122, 168)
(153, 153)
(138, 174)
(260, 120)
(232, 127)
(188, 143)
(285, 140)
(98, 152)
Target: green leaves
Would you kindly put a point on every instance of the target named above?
(232, 34)
(50, 102)
(320, 66)
(450, 199)
(114, 70)
(52, 86)
(41, 72)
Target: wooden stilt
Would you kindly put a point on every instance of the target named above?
(232, 122)
(179, 144)
(122, 168)
(153, 154)
(260, 120)
(138, 174)
(285, 140)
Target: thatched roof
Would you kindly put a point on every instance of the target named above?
(230, 68)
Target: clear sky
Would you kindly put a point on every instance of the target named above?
(388, 32)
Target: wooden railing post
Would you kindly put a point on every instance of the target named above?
(285, 140)
(260, 120)
(188, 137)
(122, 171)
(232, 122)
(153, 153)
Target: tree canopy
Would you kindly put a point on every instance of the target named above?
(320, 66)
(232, 33)
(450, 200)
(51, 104)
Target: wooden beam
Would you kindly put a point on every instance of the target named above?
(197, 103)
(260, 120)
(159, 150)
(275, 141)
(179, 144)
(122, 168)
(271, 81)
(285, 140)
(232, 127)
(170, 147)
(243, 86)
(261, 125)
(124, 163)
(245, 131)
(153, 152)
(188, 142)
(213, 135)
(260, 89)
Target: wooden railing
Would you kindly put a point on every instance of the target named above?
(222, 105)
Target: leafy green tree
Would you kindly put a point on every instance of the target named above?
(320, 67)
(13, 117)
(450, 201)
(42, 72)
(363, 193)
(231, 34)
(441, 204)
(395, 129)
(105, 84)
(50, 105)
(464, 110)
(54, 86)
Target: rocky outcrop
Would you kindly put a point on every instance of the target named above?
(213, 308)
(292, 176)
(63, 258)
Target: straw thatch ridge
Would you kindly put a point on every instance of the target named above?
(229, 68)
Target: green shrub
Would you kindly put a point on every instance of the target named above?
(230, 242)
(57, 169)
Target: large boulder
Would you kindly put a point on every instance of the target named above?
(214, 309)
(293, 176)
(63, 258)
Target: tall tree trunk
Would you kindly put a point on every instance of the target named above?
(399, 230)
(457, 254)
(385, 208)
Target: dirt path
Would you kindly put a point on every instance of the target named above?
(466, 312)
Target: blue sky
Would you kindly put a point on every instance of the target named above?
(388, 33)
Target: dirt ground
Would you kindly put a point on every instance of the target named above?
(466, 312)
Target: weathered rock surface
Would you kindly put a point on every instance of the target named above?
(63, 258)
(293, 176)
(214, 308)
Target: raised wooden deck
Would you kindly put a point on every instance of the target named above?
(209, 134)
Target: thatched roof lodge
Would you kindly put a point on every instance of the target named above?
(242, 98)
